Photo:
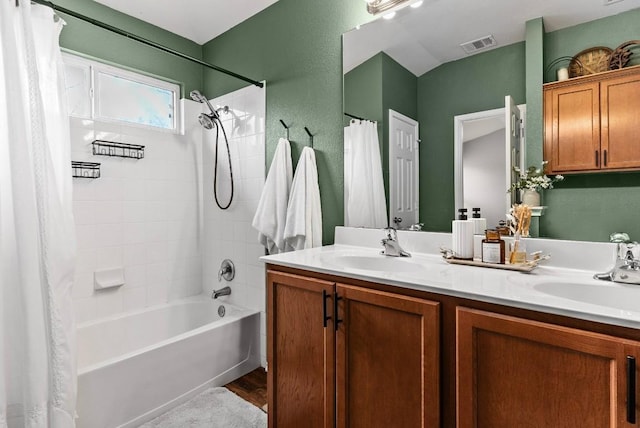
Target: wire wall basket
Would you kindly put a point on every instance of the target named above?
(121, 150)
(85, 169)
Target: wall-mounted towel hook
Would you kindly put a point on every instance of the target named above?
(310, 136)
(285, 127)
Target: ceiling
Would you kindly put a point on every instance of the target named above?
(423, 38)
(196, 20)
(479, 128)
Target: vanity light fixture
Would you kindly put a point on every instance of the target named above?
(417, 4)
(375, 7)
(389, 15)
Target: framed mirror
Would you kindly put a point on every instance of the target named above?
(447, 59)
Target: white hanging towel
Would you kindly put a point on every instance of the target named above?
(365, 204)
(271, 215)
(304, 213)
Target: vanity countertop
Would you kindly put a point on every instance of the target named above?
(553, 289)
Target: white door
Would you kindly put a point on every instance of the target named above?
(513, 135)
(403, 170)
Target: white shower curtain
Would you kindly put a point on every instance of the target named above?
(37, 237)
(365, 203)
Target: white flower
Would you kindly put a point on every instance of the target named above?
(534, 179)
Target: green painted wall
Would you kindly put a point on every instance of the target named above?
(475, 83)
(106, 46)
(591, 206)
(363, 90)
(296, 46)
(374, 87)
(610, 32)
(534, 34)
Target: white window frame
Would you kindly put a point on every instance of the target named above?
(96, 67)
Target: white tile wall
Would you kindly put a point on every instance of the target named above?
(142, 215)
(228, 233)
(156, 217)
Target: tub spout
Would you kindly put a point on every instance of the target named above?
(222, 292)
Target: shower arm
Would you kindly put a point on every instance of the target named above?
(144, 41)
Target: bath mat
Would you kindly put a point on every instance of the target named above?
(212, 408)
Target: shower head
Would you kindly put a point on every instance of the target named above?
(197, 96)
(206, 120)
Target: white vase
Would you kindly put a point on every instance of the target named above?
(531, 198)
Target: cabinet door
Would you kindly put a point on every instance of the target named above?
(572, 128)
(620, 118)
(300, 352)
(518, 373)
(388, 360)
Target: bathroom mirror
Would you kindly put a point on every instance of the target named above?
(385, 60)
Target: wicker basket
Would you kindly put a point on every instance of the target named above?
(593, 60)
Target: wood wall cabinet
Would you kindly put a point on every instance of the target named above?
(350, 356)
(592, 123)
(516, 372)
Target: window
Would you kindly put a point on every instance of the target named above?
(102, 92)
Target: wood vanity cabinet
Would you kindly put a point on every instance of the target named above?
(592, 123)
(347, 356)
(405, 358)
(515, 372)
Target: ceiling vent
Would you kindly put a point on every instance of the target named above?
(479, 44)
(608, 2)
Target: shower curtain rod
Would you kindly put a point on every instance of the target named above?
(143, 40)
(355, 117)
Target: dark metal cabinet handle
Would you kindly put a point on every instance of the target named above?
(336, 299)
(631, 389)
(605, 158)
(325, 316)
(597, 159)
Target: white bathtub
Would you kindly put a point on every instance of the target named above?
(134, 367)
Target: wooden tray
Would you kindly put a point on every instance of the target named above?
(521, 267)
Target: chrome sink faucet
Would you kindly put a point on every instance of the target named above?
(391, 245)
(627, 267)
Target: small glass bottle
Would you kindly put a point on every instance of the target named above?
(492, 247)
(503, 229)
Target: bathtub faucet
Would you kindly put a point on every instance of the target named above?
(222, 292)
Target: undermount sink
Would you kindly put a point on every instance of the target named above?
(623, 297)
(376, 263)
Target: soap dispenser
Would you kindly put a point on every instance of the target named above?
(479, 226)
(462, 236)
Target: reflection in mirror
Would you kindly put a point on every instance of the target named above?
(364, 202)
(404, 166)
(414, 64)
(484, 155)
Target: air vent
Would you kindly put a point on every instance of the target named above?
(479, 44)
(608, 2)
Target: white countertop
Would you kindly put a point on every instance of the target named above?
(552, 289)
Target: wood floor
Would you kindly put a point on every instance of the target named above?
(251, 387)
